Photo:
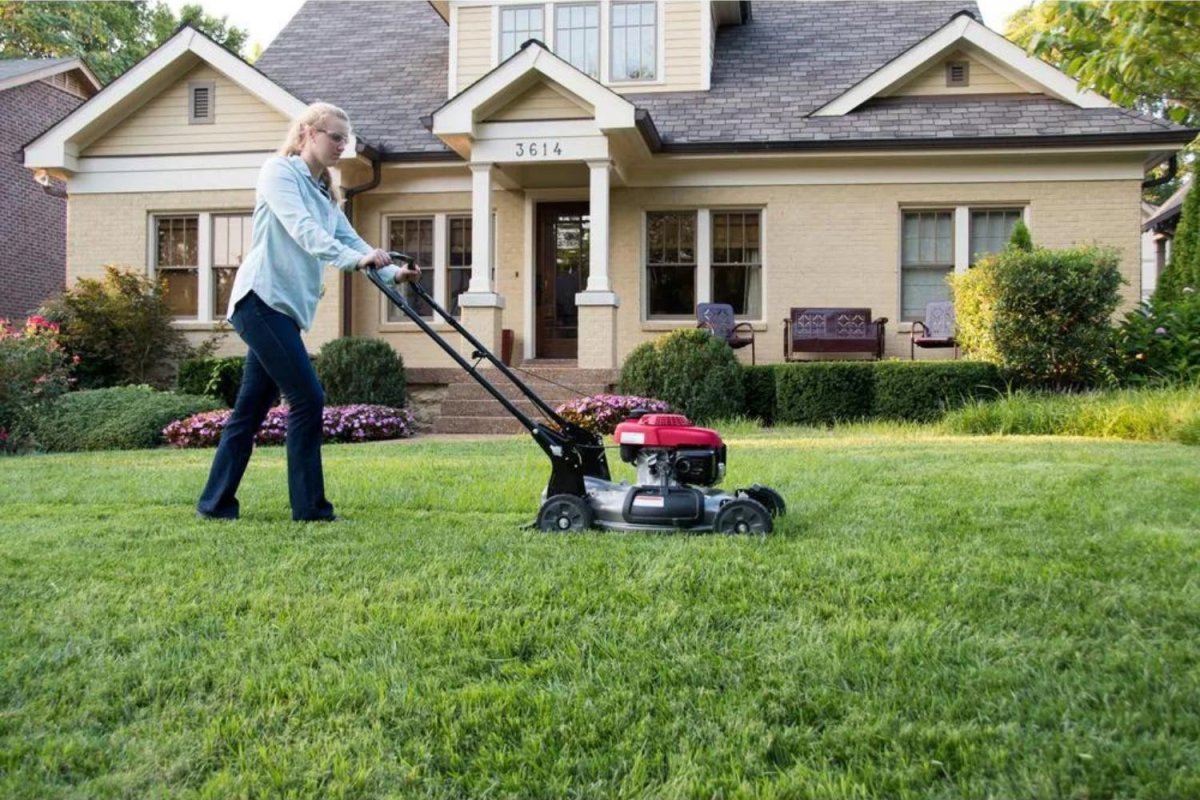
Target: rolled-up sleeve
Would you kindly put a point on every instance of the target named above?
(280, 189)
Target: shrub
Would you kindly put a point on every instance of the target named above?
(120, 327)
(824, 392)
(639, 373)
(759, 382)
(360, 370)
(117, 418)
(601, 413)
(1044, 316)
(1141, 414)
(347, 423)
(924, 391)
(215, 377)
(692, 370)
(1159, 342)
(1183, 270)
(34, 371)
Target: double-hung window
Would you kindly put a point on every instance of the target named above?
(577, 35)
(634, 33)
(196, 255)
(519, 24)
(441, 243)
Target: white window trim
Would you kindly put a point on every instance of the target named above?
(441, 266)
(961, 246)
(498, 28)
(205, 288)
(703, 263)
(552, 29)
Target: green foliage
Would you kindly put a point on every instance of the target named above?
(759, 382)
(825, 392)
(1159, 342)
(34, 371)
(639, 373)
(356, 369)
(694, 372)
(1043, 315)
(119, 418)
(215, 377)
(1138, 414)
(109, 36)
(1183, 270)
(121, 328)
(1138, 54)
(923, 391)
(1020, 239)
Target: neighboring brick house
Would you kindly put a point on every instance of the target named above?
(34, 95)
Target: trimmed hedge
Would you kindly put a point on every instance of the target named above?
(759, 382)
(361, 370)
(691, 370)
(829, 392)
(119, 418)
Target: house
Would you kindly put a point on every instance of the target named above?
(583, 174)
(1159, 227)
(34, 94)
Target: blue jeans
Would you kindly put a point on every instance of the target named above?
(276, 361)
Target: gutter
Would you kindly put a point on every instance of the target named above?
(1169, 175)
(348, 277)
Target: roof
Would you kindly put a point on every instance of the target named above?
(1170, 210)
(17, 71)
(769, 75)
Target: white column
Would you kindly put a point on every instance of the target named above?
(962, 239)
(481, 228)
(704, 256)
(598, 212)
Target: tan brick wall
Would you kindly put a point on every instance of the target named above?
(105, 229)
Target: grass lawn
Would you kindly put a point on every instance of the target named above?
(937, 617)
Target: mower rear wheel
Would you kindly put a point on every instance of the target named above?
(772, 500)
(565, 512)
(743, 515)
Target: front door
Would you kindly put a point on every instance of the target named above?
(562, 271)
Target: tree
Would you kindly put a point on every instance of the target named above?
(110, 37)
(1183, 270)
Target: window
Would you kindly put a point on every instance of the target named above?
(671, 264)
(519, 25)
(991, 229)
(634, 41)
(414, 236)
(178, 262)
(577, 36)
(737, 261)
(197, 256)
(926, 258)
(458, 260)
(201, 102)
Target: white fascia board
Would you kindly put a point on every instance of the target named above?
(963, 29)
(51, 149)
(457, 117)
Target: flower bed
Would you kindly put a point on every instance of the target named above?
(353, 423)
(600, 413)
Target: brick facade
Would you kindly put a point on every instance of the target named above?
(33, 224)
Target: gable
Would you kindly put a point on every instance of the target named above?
(544, 100)
(982, 78)
(241, 122)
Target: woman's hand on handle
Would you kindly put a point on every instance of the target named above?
(375, 258)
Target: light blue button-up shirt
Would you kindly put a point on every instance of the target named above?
(296, 231)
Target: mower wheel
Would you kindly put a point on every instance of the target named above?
(565, 512)
(771, 499)
(743, 515)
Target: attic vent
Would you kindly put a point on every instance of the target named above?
(958, 73)
(201, 102)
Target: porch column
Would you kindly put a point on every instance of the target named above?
(482, 307)
(598, 303)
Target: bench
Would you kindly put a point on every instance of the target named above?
(832, 330)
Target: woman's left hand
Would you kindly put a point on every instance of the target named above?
(408, 273)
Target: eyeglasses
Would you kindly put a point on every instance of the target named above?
(338, 138)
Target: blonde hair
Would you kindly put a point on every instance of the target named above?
(314, 116)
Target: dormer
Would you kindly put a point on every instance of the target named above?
(630, 46)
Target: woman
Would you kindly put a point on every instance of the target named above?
(297, 229)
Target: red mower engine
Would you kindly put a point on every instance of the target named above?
(668, 450)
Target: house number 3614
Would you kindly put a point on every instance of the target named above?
(538, 149)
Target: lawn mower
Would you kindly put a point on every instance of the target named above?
(678, 464)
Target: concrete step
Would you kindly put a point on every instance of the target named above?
(550, 393)
(485, 408)
(491, 425)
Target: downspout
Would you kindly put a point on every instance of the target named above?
(348, 277)
(1172, 171)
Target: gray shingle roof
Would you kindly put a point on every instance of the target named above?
(768, 76)
(12, 67)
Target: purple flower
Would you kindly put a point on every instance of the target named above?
(1160, 331)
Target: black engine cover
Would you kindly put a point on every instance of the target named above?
(664, 505)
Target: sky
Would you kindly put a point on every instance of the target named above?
(264, 20)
